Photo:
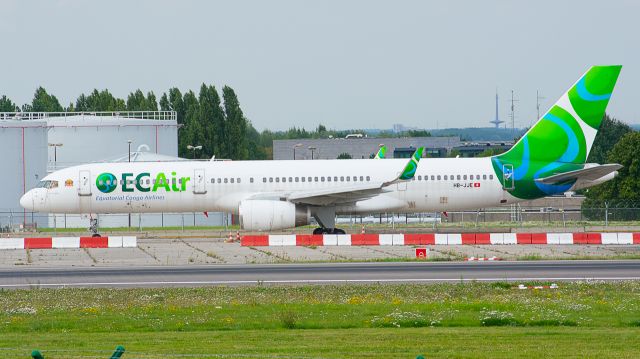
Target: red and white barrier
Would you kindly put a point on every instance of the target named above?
(480, 259)
(418, 239)
(68, 242)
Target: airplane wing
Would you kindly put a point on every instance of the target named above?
(347, 194)
(586, 174)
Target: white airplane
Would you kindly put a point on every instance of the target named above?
(270, 195)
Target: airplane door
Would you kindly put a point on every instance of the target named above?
(402, 186)
(84, 183)
(507, 177)
(199, 182)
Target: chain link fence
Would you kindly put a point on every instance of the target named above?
(605, 213)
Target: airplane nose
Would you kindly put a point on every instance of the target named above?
(26, 201)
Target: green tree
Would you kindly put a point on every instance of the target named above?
(43, 102)
(99, 101)
(236, 125)
(212, 119)
(136, 101)
(344, 156)
(624, 189)
(193, 131)
(6, 105)
(610, 133)
(254, 146)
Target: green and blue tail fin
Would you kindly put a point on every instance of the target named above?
(561, 140)
(382, 152)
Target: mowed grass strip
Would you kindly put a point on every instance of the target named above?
(581, 319)
(492, 342)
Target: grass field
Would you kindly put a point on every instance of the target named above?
(473, 320)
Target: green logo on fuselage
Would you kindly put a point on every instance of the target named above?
(107, 182)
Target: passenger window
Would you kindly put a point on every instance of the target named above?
(315, 179)
(484, 177)
(445, 177)
(264, 179)
(348, 178)
(226, 180)
(297, 179)
(277, 179)
(322, 179)
(478, 177)
(361, 178)
(270, 179)
(335, 178)
(284, 179)
(329, 179)
(231, 180)
(438, 177)
(309, 179)
(433, 177)
(250, 179)
(419, 178)
(368, 178)
(490, 176)
(302, 179)
(458, 177)
(464, 177)
(341, 178)
(290, 179)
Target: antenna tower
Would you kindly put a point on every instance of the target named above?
(512, 115)
(497, 120)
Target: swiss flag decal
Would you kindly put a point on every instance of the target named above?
(476, 184)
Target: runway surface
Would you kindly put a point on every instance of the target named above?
(188, 276)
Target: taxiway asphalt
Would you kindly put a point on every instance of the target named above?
(318, 273)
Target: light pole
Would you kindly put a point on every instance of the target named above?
(55, 153)
(194, 148)
(311, 148)
(129, 142)
(294, 149)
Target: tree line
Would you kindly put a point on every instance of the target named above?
(217, 123)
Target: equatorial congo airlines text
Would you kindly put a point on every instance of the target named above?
(107, 183)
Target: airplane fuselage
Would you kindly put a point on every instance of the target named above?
(199, 186)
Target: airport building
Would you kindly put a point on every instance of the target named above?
(361, 147)
(35, 144)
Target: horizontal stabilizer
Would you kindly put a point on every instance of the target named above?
(585, 174)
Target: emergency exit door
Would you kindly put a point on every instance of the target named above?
(508, 182)
(84, 183)
(199, 182)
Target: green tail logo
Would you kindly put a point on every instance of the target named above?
(561, 140)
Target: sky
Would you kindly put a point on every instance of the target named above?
(344, 64)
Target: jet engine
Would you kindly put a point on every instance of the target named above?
(268, 215)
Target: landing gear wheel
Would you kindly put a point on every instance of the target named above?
(328, 231)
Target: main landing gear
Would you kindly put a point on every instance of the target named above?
(328, 231)
(326, 218)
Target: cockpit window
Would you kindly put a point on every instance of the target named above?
(47, 184)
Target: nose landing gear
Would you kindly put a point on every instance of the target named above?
(93, 227)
